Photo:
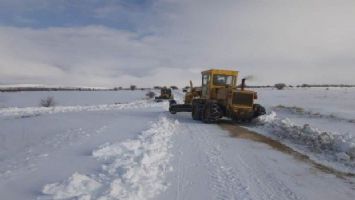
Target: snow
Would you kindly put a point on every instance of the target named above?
(338, 102)
(316, 121)
(332, 146)
(78, 185)
(36, 111)
(330, 109)
(67, 138)
(133, 169)
(209, 164)
(119, 145)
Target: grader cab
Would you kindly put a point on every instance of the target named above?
(220, 97)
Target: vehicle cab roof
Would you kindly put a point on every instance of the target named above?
(221, 71)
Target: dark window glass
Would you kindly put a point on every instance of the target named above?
(205, 78)
(219, 79)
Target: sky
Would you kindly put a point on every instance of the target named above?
(108, 43)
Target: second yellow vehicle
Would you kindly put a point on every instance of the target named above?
(165, 94)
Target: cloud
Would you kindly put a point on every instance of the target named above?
(94, 56)
(170, 42)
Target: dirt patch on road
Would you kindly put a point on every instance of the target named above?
(240, 132)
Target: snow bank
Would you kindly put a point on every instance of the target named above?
(340, 146)
(133, 169)
(35, 111)
(78, 185)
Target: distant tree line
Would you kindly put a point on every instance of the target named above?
(134, 87)
(173, 87)
(325, 85)
(17, 89)
(283, 85)
(131, 87)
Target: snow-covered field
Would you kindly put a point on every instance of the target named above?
(68, 98)
(119, 145)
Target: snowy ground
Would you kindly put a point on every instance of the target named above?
(96, 149)
(82, 98)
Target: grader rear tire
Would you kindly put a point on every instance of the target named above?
(211, 113)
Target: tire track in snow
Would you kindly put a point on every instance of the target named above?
(224, 179)
(183, 168)
(226, 182)
(255, 170)
(267, 184)
(233, 182)
(246, 180)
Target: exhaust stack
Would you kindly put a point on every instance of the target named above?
(243, 84)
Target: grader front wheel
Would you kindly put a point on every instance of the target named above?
(258, 110)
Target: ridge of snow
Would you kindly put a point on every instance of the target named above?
(337, 147)
(35, 111)
(134, 169)
(77, 185)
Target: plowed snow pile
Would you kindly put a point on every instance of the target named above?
(316, 140)
(133, 169)
(318, 122)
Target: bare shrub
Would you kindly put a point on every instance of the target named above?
(117, 88)
(280, 86)
(173, 87)
(48, 102)
(150, 94)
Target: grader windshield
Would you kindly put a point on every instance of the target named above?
(221, 79)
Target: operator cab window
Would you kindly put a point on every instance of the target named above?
(205, 79)
(219, 79)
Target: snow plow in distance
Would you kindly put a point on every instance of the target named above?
(220, 97)
(165, 94)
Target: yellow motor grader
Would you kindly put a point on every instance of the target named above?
(220, 97)
(165, 94)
